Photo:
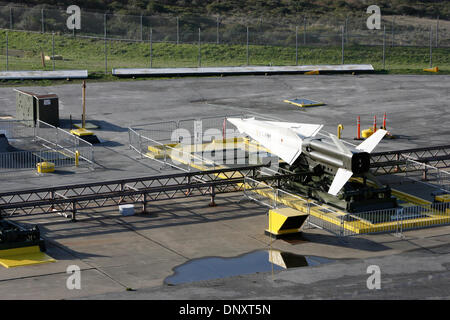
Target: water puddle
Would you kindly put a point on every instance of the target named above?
(257, 261)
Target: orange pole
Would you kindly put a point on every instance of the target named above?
(358, 135)
(384, 121)
(374, 124)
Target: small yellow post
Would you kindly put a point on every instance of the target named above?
(77, 157)
(339, 130)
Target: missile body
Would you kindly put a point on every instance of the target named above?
(296, 144)
(317, 152)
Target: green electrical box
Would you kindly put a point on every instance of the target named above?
(32, 106)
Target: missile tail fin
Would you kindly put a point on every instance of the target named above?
(340, 179)
(370, 143)
(340, 145)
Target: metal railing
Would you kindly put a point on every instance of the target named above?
(428, 174)
(56, 138)
(394, 220)
(22, 160)
(14, 129)
(399, 219)
(186, 135)
(49, 144)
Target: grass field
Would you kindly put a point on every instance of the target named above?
(24, 53)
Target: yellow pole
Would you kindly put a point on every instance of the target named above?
(77, 157)
(339, 129)
(84, 105)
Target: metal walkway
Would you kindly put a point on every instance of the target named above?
(72, 198)
(396, 161)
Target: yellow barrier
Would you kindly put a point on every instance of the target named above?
(443, 198)
(24, 256)
(81, 132)
(45, 167)
(285, 221)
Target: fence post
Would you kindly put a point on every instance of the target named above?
(431, 47)
(178, 30)
(384, 47)
(296, 45)
(7, 62)
(140, 147)
(151, 47)
(217, 30)
(57, 137)
(342, 40)
(199, 49)
(437, 32)
(304, 31)
(53, 50)
(247, 49)
(42, 20)
(142, 30)
(346, 29)
(392, 31)
(106, 49)
(11, 18)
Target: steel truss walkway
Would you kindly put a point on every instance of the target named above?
(396, 161)
(72, 198)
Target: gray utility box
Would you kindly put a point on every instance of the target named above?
(32, 106)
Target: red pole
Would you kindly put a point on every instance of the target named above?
(384, 121)
(359, 128)
(374, 124)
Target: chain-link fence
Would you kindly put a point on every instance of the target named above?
(107, 41)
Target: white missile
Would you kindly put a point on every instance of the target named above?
(296, 142)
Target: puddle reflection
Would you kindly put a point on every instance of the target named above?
(257, 261)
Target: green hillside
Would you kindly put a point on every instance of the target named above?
(419, 8)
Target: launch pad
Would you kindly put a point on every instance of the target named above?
(362, 207)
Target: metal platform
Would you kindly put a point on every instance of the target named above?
(70, 198)
(40, 75)
(130, 72)
(388, 162)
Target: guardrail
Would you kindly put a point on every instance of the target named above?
(14, 129)
(56, 145)
(60, 157)
(395, 220)
(428, 174)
